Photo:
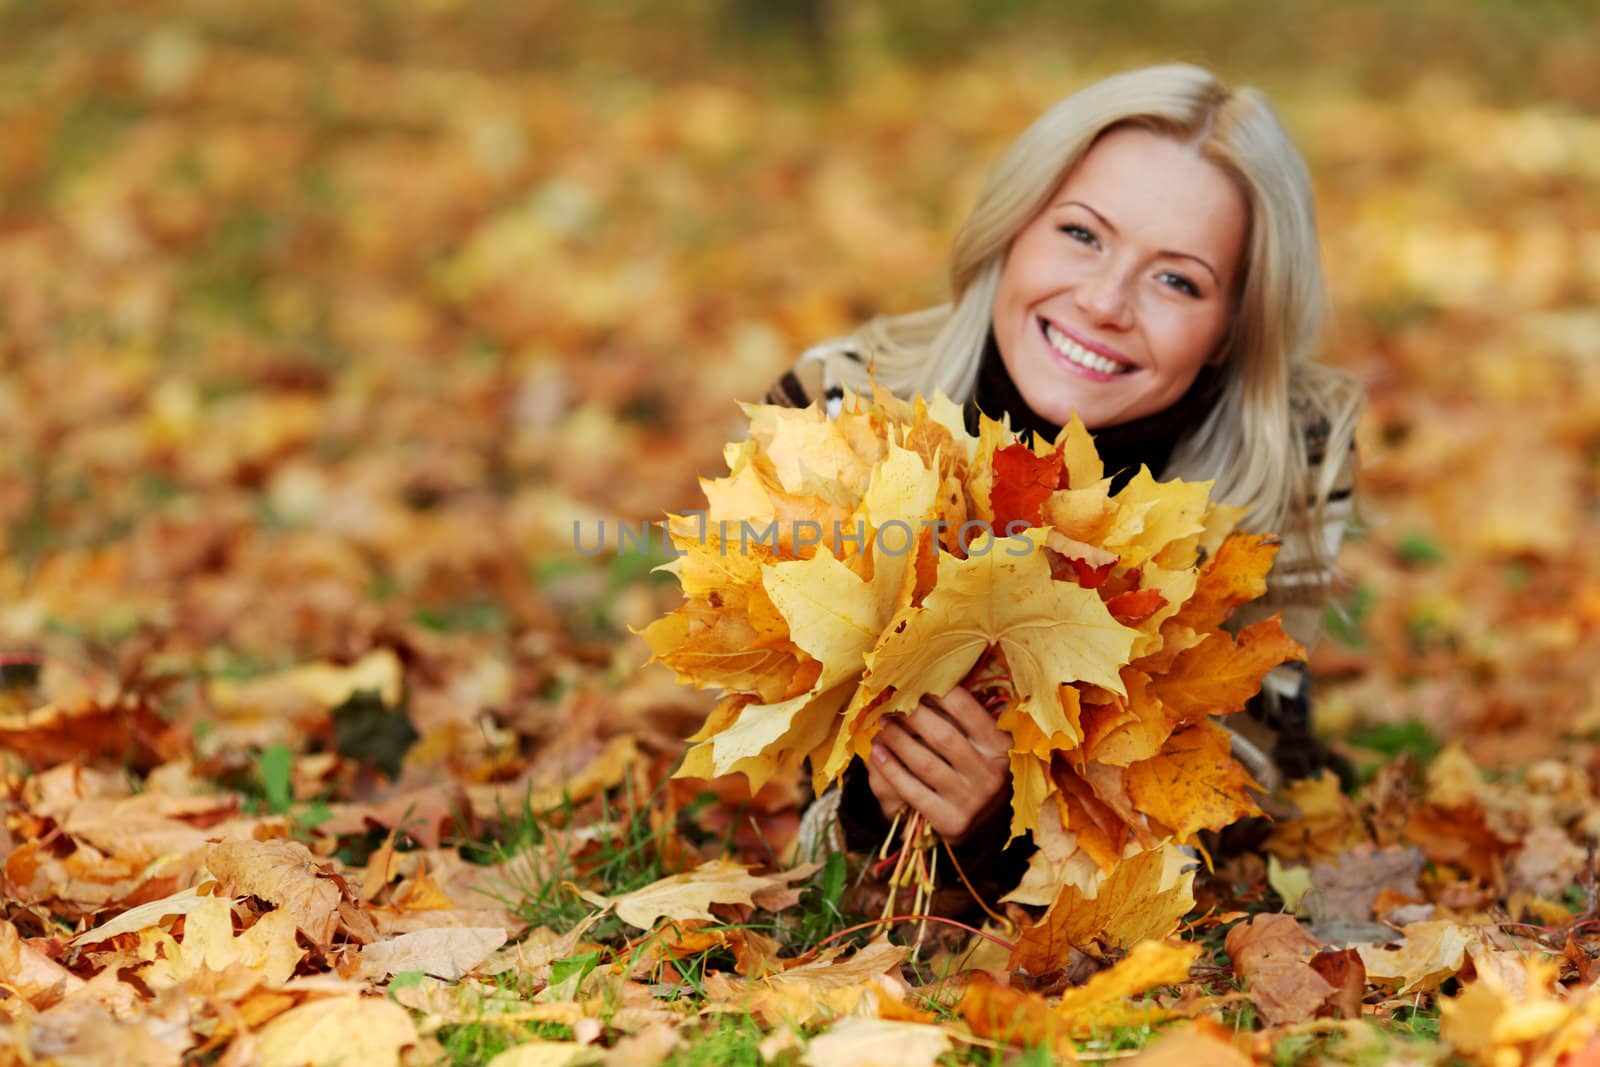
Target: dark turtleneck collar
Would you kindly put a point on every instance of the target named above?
(1148, 440)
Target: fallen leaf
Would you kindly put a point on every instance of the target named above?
(1346, 889)
(823, 988)
(690, 895)
(340, 1029)
(40, 980)
(286, 875)
(1147, 965)
(647, 1048)
(1198, 1044)
(129, 732)
(1145, 897)
(1430, 953)
(862, 1042)
(1012, 1016)
(548, 1054)
(138, 918)
(1343, 970)
(208, 944)
(446, 952)
(1269, 954)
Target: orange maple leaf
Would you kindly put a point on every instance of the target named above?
(1192, 783)
(1144, 897)
(1219, 674)
(1234, 575)
(1022, 483)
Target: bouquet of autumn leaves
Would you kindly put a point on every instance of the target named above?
(845, 567)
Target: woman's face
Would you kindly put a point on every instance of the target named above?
(1117, 293)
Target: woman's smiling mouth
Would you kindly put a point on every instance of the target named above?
(1079, 356)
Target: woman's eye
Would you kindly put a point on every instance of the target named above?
(1180, 283)
(1079, 234)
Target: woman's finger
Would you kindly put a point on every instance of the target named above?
(921, 760)
(938, 731)
(941, 814)
(974, 719)
(889, 799)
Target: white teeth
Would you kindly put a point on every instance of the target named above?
(1080, 355)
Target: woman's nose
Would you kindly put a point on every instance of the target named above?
(1104, 297)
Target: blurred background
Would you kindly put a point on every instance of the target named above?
(320, 324)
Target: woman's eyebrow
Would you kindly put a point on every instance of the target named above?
(1164, 252)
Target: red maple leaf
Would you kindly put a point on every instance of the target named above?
(1022, 483)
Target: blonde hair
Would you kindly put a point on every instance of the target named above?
(1250, 443)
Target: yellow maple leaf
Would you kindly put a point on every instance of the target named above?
(690, 895)
(1102, 1000)
(707, 646)
(1193, 783)
(1151, 515)
(1145, 896)
(1129, 730)
(1052, 633)
(1489, 1019)
(1432, 952)
(208, 943)
(765, 737)
(814, 457)
(1056, 862)
(337, 1030)
(1078, 454)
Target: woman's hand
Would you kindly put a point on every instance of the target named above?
(947, 760)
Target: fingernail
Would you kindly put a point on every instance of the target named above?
(878, 754)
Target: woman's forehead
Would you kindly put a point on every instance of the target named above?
(1147, 186)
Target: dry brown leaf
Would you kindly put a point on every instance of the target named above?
(548, 1054)
(268, 949)
(647, 1048)
(1430, 953)
(40, 980)
(285, 874)
(1346, 889)
(1269, 954)
(691, 894)
(1198, 1044)
(1144, 897)
(137, 918)
(861, 1042)
(1343, 970)
(339, 1029)
(446, 952)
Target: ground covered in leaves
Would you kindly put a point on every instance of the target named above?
(320, 326)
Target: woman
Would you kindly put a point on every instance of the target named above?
(1145, 254)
